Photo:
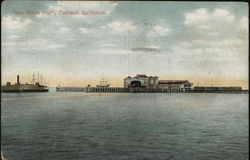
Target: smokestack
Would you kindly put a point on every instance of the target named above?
(17, 79)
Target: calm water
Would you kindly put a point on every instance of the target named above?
(107, 126)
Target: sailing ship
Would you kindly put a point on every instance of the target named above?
(103, 82)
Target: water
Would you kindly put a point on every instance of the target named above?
(119, 126)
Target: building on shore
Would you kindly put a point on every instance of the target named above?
(144, 81)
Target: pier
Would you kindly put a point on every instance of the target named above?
(141, 83)
(140, 90)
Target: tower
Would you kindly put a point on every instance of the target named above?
(17, 80)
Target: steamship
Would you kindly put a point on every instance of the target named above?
(36, 86)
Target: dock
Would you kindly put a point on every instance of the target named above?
(140, 90)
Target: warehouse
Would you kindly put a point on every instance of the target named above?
(182, 85)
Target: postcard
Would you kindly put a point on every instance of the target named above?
(116, 80)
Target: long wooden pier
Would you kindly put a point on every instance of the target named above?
(139, 90)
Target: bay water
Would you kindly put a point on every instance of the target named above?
(124, 126)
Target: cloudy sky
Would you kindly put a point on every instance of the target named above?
(72, 43)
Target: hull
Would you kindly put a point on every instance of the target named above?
(102, 86)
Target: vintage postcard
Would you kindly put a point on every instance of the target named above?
(124, 80)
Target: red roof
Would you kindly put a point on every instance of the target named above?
(173, 81)
(141, 75)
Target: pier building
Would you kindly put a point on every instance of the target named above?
(141, 81)
(182, 85)
(144, 81)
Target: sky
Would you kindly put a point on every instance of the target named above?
(72, 43)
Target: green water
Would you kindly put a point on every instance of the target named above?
(144, 126)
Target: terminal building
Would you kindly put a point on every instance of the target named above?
(144, 81)
(141, 81)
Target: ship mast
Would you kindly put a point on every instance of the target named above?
(103, 80)
(33, 78)
(42, 80)
(41, 77)
(38, 77)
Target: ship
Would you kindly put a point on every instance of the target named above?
(36, 86)
(103, 82)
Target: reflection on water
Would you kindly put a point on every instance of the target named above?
(58, 126)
